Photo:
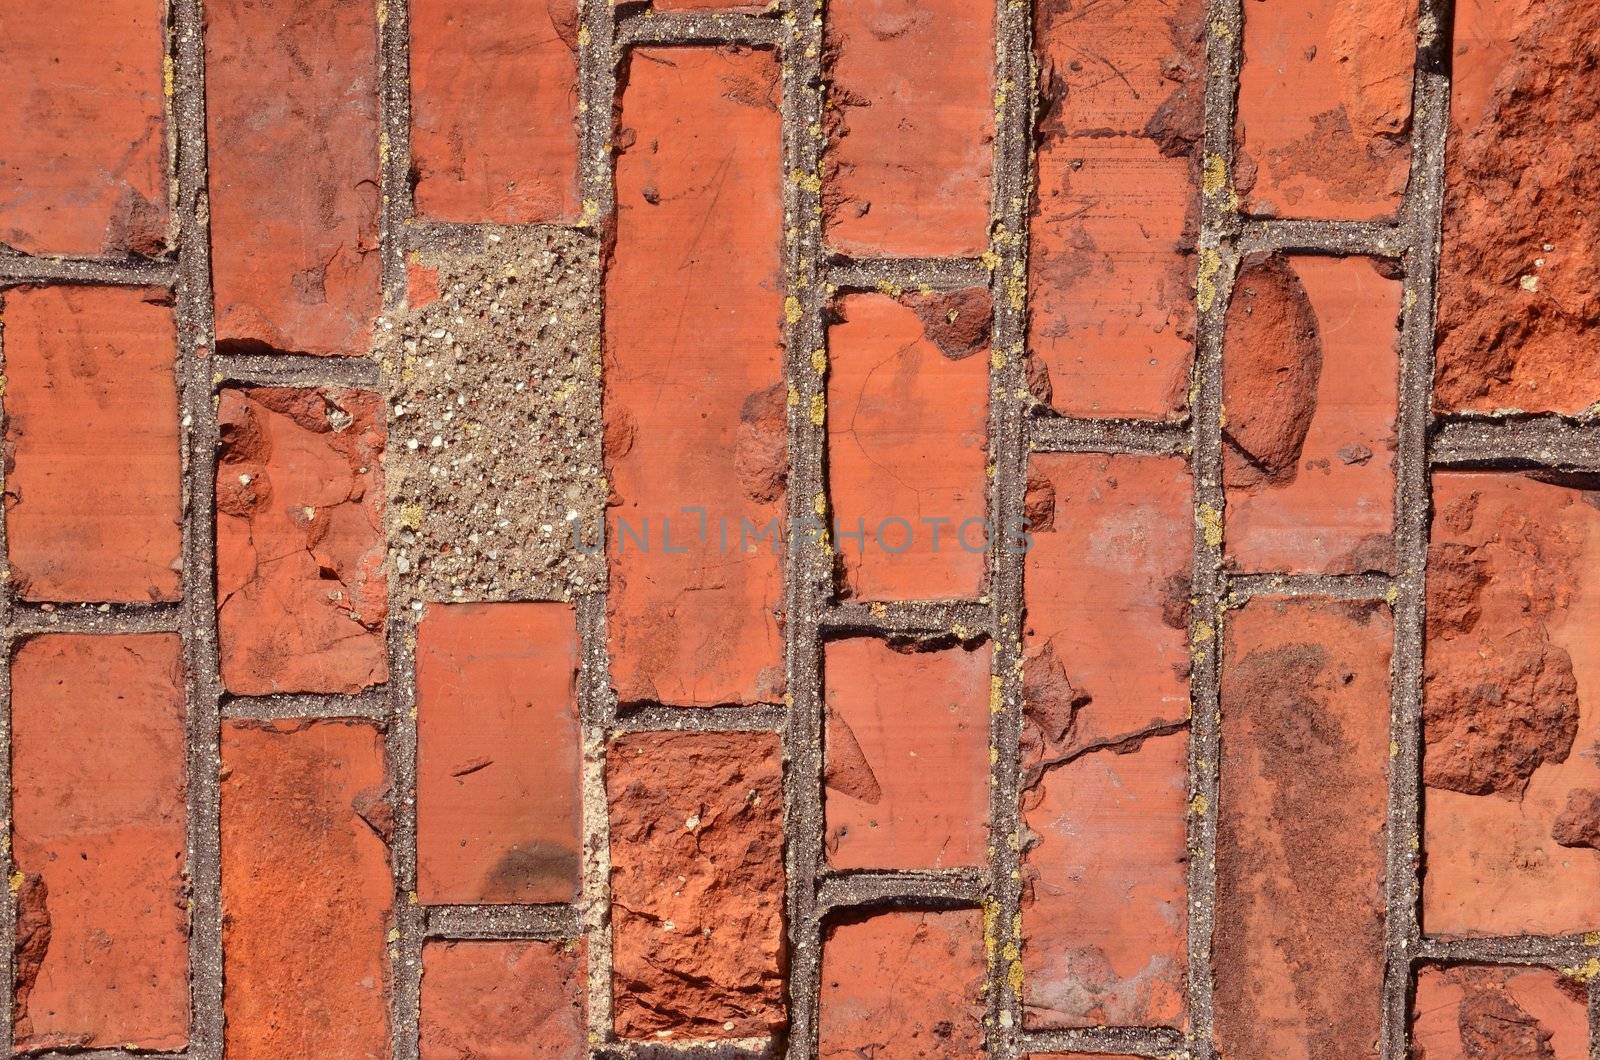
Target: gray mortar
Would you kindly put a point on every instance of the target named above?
(493, 459)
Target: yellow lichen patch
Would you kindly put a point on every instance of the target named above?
(791, 309)
(168, 75)
(1582, 973)
(1206, 279)
(890, 288)
(991, 919)
(819, 361)
(411, 516)
(991, 260)
(819, 504)
(1210, 521)
(583, 36)
(996, 697)
(1215, 175)
(1198, 805)
(819, 409)
(794, 397)
(806, 181)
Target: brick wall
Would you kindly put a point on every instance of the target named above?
(567, 529)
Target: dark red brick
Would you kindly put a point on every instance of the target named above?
(91, 444)
(502, 1001)
(498, 754)
(98, 837)
(494, 110)
(694, 393)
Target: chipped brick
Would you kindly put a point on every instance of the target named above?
(502, 1001)
(1471, 1011)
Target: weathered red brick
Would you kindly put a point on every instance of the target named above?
(498, 754)
(1325, 108)
(903, 984)
(502, 1001)
(1115, 213)
(697, 884)
(907, 756)
(908, 393)
(910, 127)
(306, 891)
(1106, 707)
(1519, 279)
(301, 596)
(1472, 1011)
(91, 444)
(494, 110)
(1297, 952)
(293, 153)
(693, 381)
(84, 123)
(98, 836)
(1509, 717)
(1310, 390)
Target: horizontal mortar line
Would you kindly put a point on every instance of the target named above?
(1376, 238)
(763, 717)
(1522, 441)
(372, 704)
(956, 888)
(29, 619)
(1334, 586)
(1551, 950)
(461, 235)
(963, 619)
(546, 922)
(872, 274)
(1134, 1041)
(714, 1049)
(22, 268)
(1064, 434)
(686, 28)
(295, 369)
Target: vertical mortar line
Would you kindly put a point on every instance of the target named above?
(394, 143)
(1011, 189)
(1217, 264)
(1420, 221)
(8, 643)
(1594, 1019)
(199, 432)
(808, 561)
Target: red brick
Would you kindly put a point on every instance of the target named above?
(292, 142)
(1311, 385)
(908, 391)
(97, 762)
(502, 1001)
(694, 393)
(301, 596)
(1509, 718)
(1116, 209)
(306, 891)
(1519, 279)
(1106, 669)
(1325, 108)
(903, 986)
(697, 884)
(92, 462)
(494, 107)
(84, 122)
(907, 754)
(498, 754)
(1297, 953)
(910, 127)
(1471, 1011)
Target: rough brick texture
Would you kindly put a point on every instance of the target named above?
(501, 1001)
(1472, 1011)
(91, 444)
(97, 797)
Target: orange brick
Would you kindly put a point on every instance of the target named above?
(1470, 1011)
(92, 462)
(502, 1001)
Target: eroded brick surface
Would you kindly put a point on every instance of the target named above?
(694, 382)
(911, 127)
(498, 750)
(1310, 391)
(1297, 953)
(494, 131)
(905, 756)
(502, 1001)
(97, 836)
(293, 155)
(697, 884)
(300, 591)
(908, 387)
(1325, 107)
(305, 956)
(1116, 207)
(83, 119)
(903, 984)
(1512, 833)
(1519, 277)
(1471, 1011)
(1106, 703)
(91, 444)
